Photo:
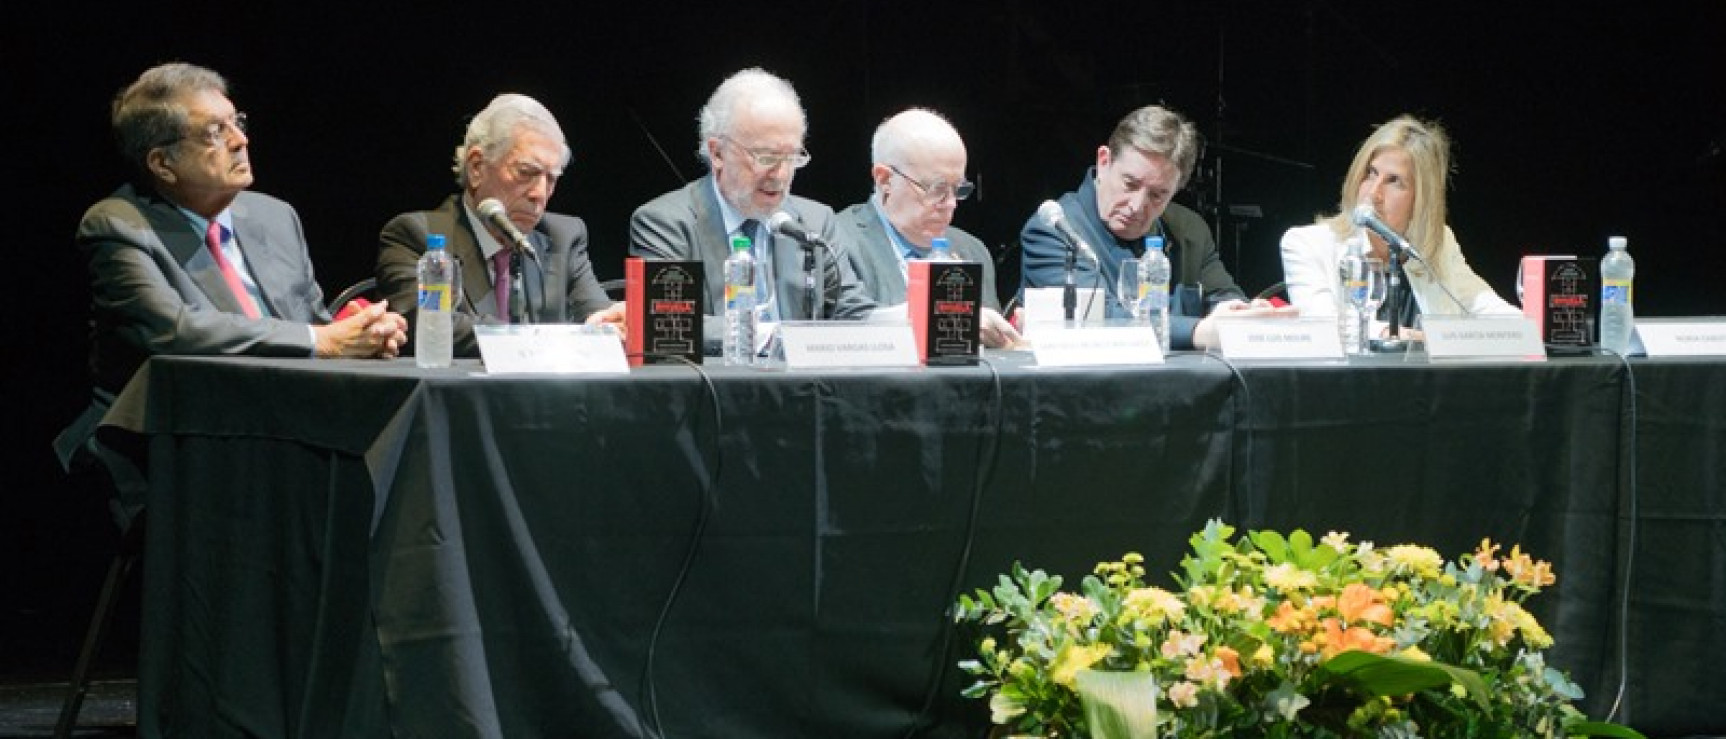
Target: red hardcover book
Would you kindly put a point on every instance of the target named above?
(665, 311)
(1559, 296)
(945, 300)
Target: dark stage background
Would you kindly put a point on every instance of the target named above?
(1570, 124)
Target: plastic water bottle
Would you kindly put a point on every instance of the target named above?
(740, 304)
(1351, 293)
(1154, 274)
(940, 250)
(433, 340)
(1617, 317)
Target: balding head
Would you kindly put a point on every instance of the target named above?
(919, 173)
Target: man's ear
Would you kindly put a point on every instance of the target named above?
(157, 162)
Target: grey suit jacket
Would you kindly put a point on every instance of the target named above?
(872, 256)
(686, 223)
(559, 286)
(147, 298)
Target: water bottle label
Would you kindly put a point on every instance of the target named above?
(434, 298)
(1615, 291)
(734, 293)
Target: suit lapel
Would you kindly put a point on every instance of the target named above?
(712, 244)
(475, 268)
(190, 252)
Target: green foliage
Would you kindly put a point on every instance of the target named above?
(1273, 635)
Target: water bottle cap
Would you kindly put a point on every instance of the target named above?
(939, 242)
(434, 241)
(1153, 242)
(740, 243)
(1617, 242)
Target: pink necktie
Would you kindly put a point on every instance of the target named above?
(500, 282)
(213, 238)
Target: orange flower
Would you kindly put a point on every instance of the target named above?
(1359, 602)
(1231, 660)
(1339, 639)
(1290, 620)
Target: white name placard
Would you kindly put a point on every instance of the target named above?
(825, 344)
(1043, 305)
(1455, 337)
(1682, 338)
(1248, 338)
(551, 348)
(1059, 345)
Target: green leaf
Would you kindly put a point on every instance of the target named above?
(1601, 728)
(1380, 675)
(1119, 705)
(1272, 544)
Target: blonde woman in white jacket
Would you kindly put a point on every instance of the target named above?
(1401, 172)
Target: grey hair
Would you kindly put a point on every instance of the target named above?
(1154, 129)
(494, 128)
(150, 113)
(715, 117)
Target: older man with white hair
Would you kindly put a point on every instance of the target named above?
(751, 130)
(919, 176)
(513, 152)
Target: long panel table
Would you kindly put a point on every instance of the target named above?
(369, 549)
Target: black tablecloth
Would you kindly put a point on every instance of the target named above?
(370, 549)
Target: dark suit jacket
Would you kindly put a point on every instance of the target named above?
(687, 223)
(146, 300)
(1187, 241)
(872, 255)
(560, 286)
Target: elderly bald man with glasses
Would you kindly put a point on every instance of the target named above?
(919, 175)
(751, 130)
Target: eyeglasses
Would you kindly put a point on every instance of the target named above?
(939, 191)
(770, 159)
(214, 133)
(525, 171)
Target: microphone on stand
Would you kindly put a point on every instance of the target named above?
(493, 212)
(786, 225)
(1366, 217)
(1051, 215)
(498, 219)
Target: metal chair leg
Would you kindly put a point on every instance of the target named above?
(131, 547)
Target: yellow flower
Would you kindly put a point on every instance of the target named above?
(1418, 559)
(1072, 658)
(1264, 657)
(1154, 604)
(1076, 610)
(1289, 578)
(1414, 653)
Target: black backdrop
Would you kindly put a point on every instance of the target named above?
(1570, 124)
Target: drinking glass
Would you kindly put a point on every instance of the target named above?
(1130, 289)
(1364, 282)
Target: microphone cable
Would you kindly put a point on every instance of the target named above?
(648, 690)
(1632, 501)
(988, 457)
(1244, 488)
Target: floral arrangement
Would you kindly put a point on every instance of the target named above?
(1277, 636)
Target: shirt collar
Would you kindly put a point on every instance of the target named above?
(904, 247)
(201, 224)
(488, 246)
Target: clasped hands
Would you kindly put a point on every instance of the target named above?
(372, 331)
(1205, 333)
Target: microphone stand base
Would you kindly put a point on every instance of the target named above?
(1389, 346)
